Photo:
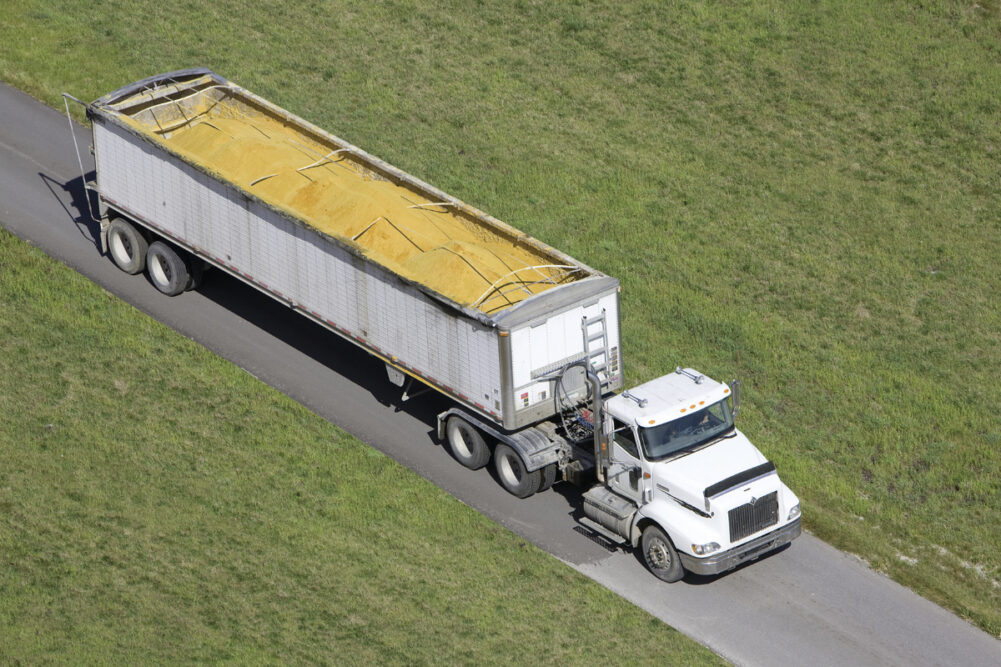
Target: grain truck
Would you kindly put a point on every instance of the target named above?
(194, 172)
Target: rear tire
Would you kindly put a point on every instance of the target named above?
(466, 443)
(512, 474)
(127, 246)
(660, 556)
(167, 270)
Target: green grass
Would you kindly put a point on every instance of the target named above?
(814, 186)
(159, 504)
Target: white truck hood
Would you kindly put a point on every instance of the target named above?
(687, 477)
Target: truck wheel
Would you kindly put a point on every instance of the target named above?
(660, 555)
(547, 477)
(167, 270)
(466, 443)
(126, 246)
(511, 471)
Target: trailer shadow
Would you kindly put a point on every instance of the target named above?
(319, 344)
(82, 204)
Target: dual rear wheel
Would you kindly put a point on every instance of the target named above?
(168, 269)
(471, 450)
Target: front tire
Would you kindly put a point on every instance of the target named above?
(466, 443)
(167, 270)
(512, 474)
(660, 555)
(127, 246)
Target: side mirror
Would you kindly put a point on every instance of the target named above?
(735, 397)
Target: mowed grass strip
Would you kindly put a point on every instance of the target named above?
(814, 186)
(159, 504)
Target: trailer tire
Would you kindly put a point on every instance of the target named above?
(512, 474)
(127, 246)
(660, 556)
(167, 269)
(466, 443)
(547, 477)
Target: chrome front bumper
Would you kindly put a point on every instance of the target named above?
(759, 546)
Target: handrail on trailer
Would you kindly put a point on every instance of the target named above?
(79, 160)
(496, 285)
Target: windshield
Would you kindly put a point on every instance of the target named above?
(687, 432)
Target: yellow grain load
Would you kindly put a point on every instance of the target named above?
(445, 245)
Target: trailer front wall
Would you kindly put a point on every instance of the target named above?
(540, 349)
(304, 268)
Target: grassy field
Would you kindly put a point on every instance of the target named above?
(157, 503)
(814, 186)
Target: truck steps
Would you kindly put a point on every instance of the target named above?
(596, 527)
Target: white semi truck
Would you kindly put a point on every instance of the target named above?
(195, 172)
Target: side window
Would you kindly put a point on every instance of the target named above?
(624, 437)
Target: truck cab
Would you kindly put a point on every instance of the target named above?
(680, 481)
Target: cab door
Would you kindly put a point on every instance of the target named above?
(625, 474)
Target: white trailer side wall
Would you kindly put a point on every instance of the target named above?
(356, 297)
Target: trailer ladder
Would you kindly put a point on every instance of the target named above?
(596, 352)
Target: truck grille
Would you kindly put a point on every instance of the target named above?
(752, 517)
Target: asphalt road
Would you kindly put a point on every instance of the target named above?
(807, 604)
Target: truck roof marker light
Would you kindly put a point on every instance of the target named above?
(683, 410)
(726, 391)
(691, 407)
(702, 402)
(652, 421)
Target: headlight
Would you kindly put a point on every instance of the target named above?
(704, 549)
(793, 513)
